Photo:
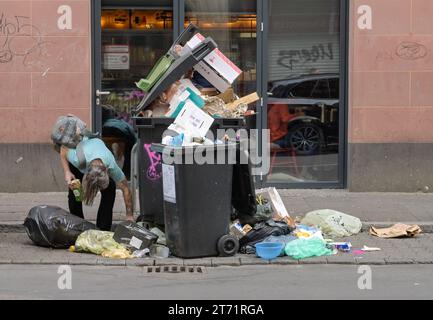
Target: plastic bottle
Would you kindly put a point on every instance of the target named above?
(77, 189)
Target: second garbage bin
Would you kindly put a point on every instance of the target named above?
(198, 199)
(151, 130)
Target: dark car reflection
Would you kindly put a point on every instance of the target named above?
(303, 113)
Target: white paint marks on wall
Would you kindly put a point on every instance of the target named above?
(65, 20)
(365, 19)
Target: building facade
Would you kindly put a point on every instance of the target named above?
(345, 85)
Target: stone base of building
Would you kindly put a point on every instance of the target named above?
(30, 168)
(390, 167)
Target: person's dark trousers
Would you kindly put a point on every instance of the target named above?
(104, 219)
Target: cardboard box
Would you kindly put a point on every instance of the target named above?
(219, 70)
(134, 236)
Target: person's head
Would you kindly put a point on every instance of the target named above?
(95, 179)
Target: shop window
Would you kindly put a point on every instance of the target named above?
(321, 91)
(303, 90)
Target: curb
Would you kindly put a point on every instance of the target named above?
(215, 264)
(426, 226)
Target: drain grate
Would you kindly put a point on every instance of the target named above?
(176, 269)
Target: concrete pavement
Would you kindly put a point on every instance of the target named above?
(250, 282)
(16, 248)
(369, 207)
(379, 209)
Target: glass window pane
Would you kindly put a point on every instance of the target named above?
(321, 91)
(133, 39)
(232, 25)
(303, 90)
(303, 74)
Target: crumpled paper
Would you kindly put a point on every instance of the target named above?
(396, 231)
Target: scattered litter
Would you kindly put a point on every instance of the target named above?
(160, 234)
(306, 248)
(365, 248)
(279, 211)
(159, 251)
(100, 243)
(141, 253)
(239, 231)
(20, 159)
(261, 231)
(133, 236)
(396, 231)
(333, 223)
(281, 239)
(358, 252)
(341, 246)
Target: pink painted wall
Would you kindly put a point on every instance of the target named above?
(44, 71)
(391, 73)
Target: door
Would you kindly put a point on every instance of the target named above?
(129, 37)
(304, 108)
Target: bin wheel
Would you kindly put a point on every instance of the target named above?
(228, 245)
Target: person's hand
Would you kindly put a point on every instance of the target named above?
(130, 218)
(69, 177)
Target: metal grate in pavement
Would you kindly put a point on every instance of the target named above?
(176, 269)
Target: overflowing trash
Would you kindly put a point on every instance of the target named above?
(396, 231)
(333, 223)
(260, 223)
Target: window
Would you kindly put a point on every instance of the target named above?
(303, 90)
(321, 91)
(334, 86)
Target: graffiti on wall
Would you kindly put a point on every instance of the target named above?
(11, 31)
(411, 50)
(318, 52)
(406, 50)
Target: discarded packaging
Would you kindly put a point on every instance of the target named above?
(215, 67)
(341, 246)
(365, 248)
(192, 122)
(279, 210)
(333, 223)
(141, 253)
(160, 234)
(239, 231)
(134, 236)
(100, 243)
(396, 231)
(306, 248)
(159, 251)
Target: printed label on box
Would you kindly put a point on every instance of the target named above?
(168, 183)
(135, 242)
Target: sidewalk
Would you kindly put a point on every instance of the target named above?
(369, 207)
(379, 209)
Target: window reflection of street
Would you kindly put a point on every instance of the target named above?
(303, 123)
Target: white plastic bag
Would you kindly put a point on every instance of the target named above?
(333, 223)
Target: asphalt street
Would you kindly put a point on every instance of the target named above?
(248, 282)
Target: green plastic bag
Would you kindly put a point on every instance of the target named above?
(306, 248)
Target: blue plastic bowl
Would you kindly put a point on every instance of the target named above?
(269, 250)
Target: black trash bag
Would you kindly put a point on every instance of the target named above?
(50, 226)
(263, 230)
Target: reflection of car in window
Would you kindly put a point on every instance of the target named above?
(313, 102)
